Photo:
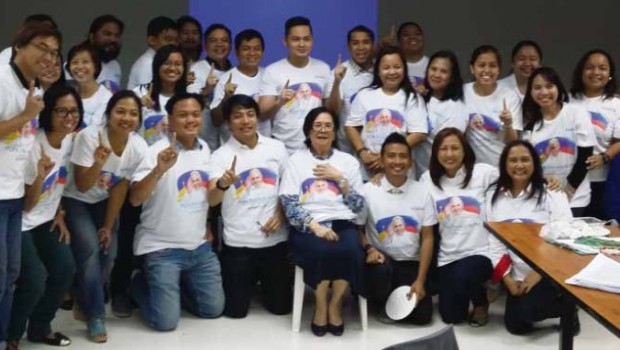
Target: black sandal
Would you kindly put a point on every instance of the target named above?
(59, 339)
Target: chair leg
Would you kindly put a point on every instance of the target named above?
(298, 297)
(363, 312)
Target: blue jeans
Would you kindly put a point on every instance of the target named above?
(175, 276)
(92, 263)
(10, 258)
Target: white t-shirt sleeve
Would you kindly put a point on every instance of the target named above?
(416, 115)
(84, 148)
(362, 216)
(138, 153)
(514, 106)
(31, 164)
(219, 91)
(217, 165)
(356, 116)
(146, 166)
(559, 206)
(290, 181)
(616, 132)
(269, 84)
(584, 129)
(430, 217)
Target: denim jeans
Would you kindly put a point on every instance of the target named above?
(92, 263)
(46, 274)
(175, 276)
(10, 255)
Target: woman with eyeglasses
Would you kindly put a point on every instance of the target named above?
(84, 66)
(320, 192)
(102, 162)
(390, 104)
(169, 67)
(47, 265)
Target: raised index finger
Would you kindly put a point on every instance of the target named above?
(173, 139)
(100, 138)
(229, 79)
(31, 88)
(339, 61)
(234, 164)
(43, 154)
(286, 84)
(212, 71)
(505, 109)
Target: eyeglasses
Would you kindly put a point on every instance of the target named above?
(46, 51)
(327, 127)
(63, 112)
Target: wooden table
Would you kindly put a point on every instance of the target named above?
(559, 264)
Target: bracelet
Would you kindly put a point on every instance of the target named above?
(605, 157)
(342, 183)
(359, 151)
(219, 187)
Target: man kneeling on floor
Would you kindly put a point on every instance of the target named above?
(171, 184)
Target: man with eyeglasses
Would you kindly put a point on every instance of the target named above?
(36, 48)
(40, 18)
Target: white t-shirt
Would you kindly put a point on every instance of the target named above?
(154, 123)
(485, 131)
(252, 200)
(54, 183)
(556, 143)
(16, 146)
(461, 213)
(310, 84)
(380, 114)
(394, 217)
(554, 206)
(110, 76)
(510, 82)
(208, 132)
(94, 107)
(441, 115)
(175, 216)
(323, 199)
(245, 86)
(417, 71)
(605, 118)
(5, 55)
(354, 80)
(113, 171)
(142, 70)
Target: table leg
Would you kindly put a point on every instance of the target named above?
(567, 323)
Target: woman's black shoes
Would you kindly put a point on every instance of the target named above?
(317, 330)
(336, 330)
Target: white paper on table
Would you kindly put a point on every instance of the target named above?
(602, 273)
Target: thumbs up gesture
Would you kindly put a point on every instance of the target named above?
(102, 152)
(340, 70)
(34, 104)
(211, 81)
(229, 177)
(190, 76)
(44, 165)
(229, 88)
(391, 38)
(505, 116)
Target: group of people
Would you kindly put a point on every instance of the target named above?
(374, 174)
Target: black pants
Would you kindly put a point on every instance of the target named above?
(542, 302)
(125, 261)
(382, 279)
(460, 282)
(242, 268)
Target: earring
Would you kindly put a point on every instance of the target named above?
(609, 78)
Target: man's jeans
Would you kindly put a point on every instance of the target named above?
(175, 276)
(10, 258)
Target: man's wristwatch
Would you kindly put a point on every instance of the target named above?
(217, 184)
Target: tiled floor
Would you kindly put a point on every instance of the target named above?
(261, 330)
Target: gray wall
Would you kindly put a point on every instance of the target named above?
(74, 17)
(565, 29)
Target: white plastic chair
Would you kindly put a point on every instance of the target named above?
(298, 302)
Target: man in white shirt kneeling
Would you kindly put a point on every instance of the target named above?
(245, 176)
(171, 185)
